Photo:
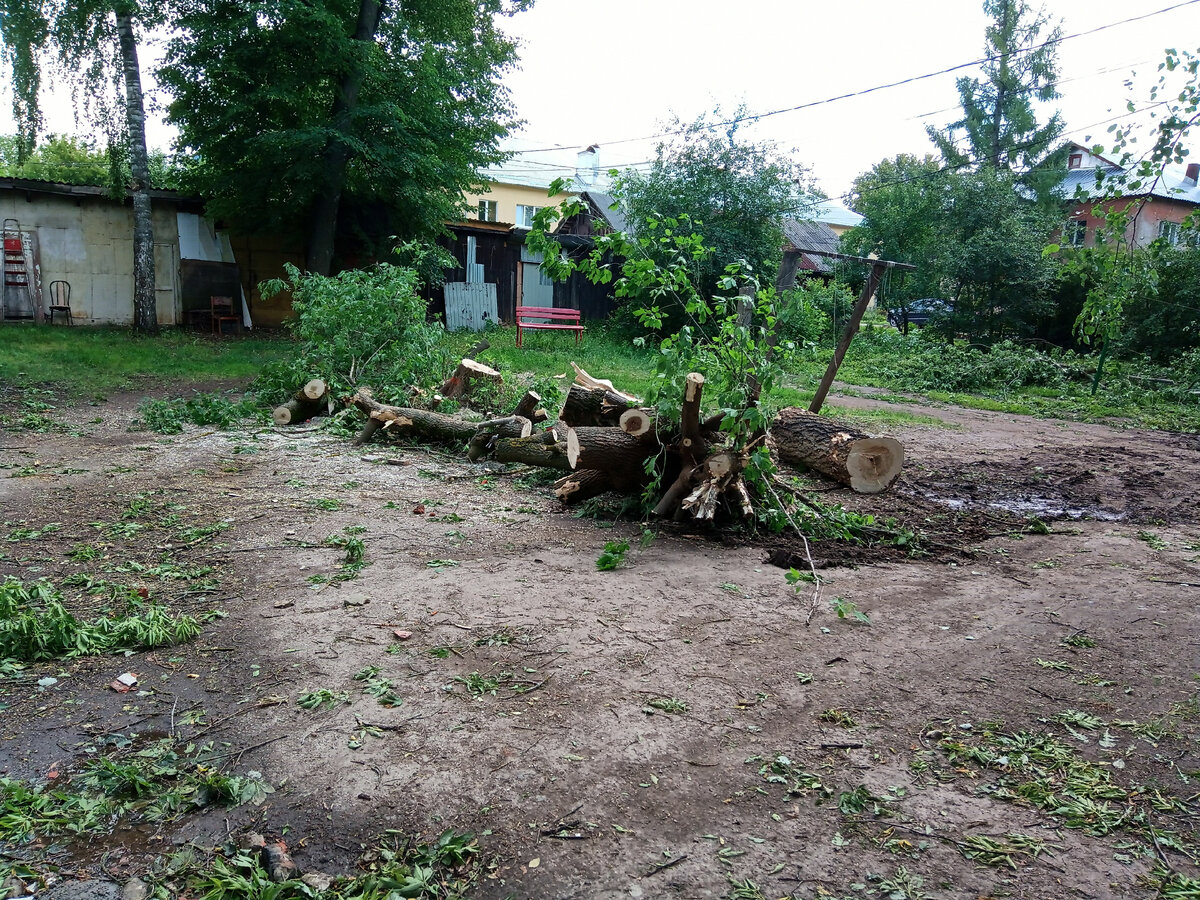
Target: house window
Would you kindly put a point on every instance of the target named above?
(487, 210)
(1075, 160)
(1074, 232)
(1169, 232)
(525, 215)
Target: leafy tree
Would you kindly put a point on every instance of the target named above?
(902, 200)
(989, 256)
(999, 122)
(73, 160)
(96, 42)
(733, 194)
(58, 158)
(332, 116)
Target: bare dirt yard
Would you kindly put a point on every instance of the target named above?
(1019, 718)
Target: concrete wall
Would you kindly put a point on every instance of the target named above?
(88, 242)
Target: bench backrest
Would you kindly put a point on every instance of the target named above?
(553, 313)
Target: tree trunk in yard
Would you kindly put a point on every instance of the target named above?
(309, 401)
(145, 311)
(336, 157)
(867, 464)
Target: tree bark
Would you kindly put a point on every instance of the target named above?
(593, 407)
(587, 483)
(529, 407)
(487, 433)
(608, 450)
(421, 422)
(336, 156)
(145, 308)
(536, 450)
(867, 464)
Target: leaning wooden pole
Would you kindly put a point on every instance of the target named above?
(839, 354)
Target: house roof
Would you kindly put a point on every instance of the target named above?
(33, 185)
(811, 236)
(1171, 184)
(832, 212)
(608, 208)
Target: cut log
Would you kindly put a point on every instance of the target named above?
(583, 379)
(637, 422)
(466, 377)
(585, 484)
(592, 407)
(691, 448)
(534, 450)
(867, 464)
(608, 450)
(309, 401)
(487, 433)
(418, 422)
(530, 407)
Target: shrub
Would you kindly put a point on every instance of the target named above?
(359, 326)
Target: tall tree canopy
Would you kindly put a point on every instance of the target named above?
(735, 191)
(999, 128)
(335, 117)
(902, 200)
(94, 44)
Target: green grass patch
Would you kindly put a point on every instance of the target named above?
(87, 361)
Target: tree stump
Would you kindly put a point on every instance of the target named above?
(466, 377)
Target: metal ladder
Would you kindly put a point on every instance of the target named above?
(16, 272)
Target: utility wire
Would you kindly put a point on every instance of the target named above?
(881, 87)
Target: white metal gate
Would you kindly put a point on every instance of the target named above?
(470, 306)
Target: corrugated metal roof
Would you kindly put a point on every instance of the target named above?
(1172, 185)
(812, 236)
(605, 203)
(832, 212)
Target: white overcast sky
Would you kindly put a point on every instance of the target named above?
(608, 71)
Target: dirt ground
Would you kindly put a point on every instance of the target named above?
(579, 783)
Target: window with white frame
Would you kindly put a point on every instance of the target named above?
(1170, 232)
(525, 215)
(1074, 232)
(487, 210)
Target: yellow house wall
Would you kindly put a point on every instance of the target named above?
(88, 242)
(509, 196)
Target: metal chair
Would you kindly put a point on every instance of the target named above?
(222, 311)
(60, 300)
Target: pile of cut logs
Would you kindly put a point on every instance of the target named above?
(605, 440)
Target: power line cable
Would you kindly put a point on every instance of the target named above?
(881, 87)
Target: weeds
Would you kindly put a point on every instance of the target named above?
(158, 783)
(32, 534)
(478, 684)
(169, 416)
(1001, 852)
(796, 781)
(379, 688)
(322, 697)
(613, 556)
(34, 625)
(846, 609)
(839, 717)
(668, 704)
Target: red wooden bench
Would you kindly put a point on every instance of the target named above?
(560, 320)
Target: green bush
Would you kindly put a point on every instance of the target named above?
(357, 327)
(801, 319)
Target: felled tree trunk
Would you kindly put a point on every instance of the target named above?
(306, 403)
(608, 450)
(584, 484)
(418, 422)
(867, 464)
(486, 434)
(465, 378)
(536, 450)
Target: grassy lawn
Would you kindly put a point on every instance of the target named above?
(95, 360)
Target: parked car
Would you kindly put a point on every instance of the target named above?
(919, 312)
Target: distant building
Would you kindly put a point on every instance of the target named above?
(1162, 206)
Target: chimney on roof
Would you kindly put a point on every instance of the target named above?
(587, 165)
(1193, 172)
